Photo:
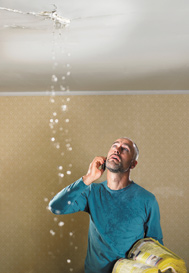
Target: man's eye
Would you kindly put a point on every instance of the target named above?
(126, 149)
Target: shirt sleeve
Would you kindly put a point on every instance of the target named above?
(71, 199)
(152, 225)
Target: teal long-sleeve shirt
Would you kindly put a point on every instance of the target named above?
(118, 218)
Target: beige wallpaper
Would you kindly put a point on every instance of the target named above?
(46, 145)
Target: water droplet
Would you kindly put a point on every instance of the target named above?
(71, 233)
(54, 114)
(68, 99)
(57, 211)
(68, 190)
(55, 219)
(64, 107)
(70, 149)
(68, 73)
(68, 261)
(70, 165)
(61, 174)
(68, 145)
(62, 88)
(63, 78)
(69, 202)
(60, 167)
(67, 120)
(61, 224)
(46, 199)
(52, 100)
(57, 145)
(52, 138)
(68, 172)
(52, 232)
(54, 78)
(56, 120)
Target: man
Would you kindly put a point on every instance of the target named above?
(121, 212)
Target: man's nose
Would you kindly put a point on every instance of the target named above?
(117, 150)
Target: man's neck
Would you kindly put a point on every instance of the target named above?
(117, 181)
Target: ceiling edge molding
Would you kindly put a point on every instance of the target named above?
(88, 93)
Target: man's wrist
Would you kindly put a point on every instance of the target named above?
(87, 180)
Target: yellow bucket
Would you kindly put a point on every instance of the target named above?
(130, 266)
(150, 252)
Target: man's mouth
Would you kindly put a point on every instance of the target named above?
(115, 157)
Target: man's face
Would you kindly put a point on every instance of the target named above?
(120, 156)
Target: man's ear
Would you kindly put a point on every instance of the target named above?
(133, 165)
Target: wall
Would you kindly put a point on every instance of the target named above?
(33, 240)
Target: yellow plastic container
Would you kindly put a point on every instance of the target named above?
(150, 252)
(130, 266)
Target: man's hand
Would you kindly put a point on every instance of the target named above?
(94, 172)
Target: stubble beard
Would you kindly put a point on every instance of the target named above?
(114, 167)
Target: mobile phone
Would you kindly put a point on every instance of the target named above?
(104, 165)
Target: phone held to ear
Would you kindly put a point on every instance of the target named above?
(103, 167)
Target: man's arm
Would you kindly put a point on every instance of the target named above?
(74, 197)
(152, 226)
(71, 199)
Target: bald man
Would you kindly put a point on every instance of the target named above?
(121, 212)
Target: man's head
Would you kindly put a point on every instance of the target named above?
(122, 155)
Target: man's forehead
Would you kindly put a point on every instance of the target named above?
(124, 141)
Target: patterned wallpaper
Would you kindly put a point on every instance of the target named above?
(46, 145)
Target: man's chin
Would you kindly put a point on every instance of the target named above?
(112, 170)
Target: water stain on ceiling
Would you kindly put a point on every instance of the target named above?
(94, 46)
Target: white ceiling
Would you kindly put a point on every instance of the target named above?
(107, 45)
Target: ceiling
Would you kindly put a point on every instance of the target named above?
(93, 46)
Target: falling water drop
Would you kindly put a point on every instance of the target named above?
(60, 167)
(61, 224)
(69, 202)
(67, 120)
(52, 232)
(54, 114)
(46, 199)
(54, 78)
(57, 145)
(52, 139)
(68, 172)
(64, 107)
(62, 88)
(52, 100)
(56, 120)
(68, 261)
(68, 73)
(61, 175)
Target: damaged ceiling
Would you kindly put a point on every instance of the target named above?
(93, 46)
